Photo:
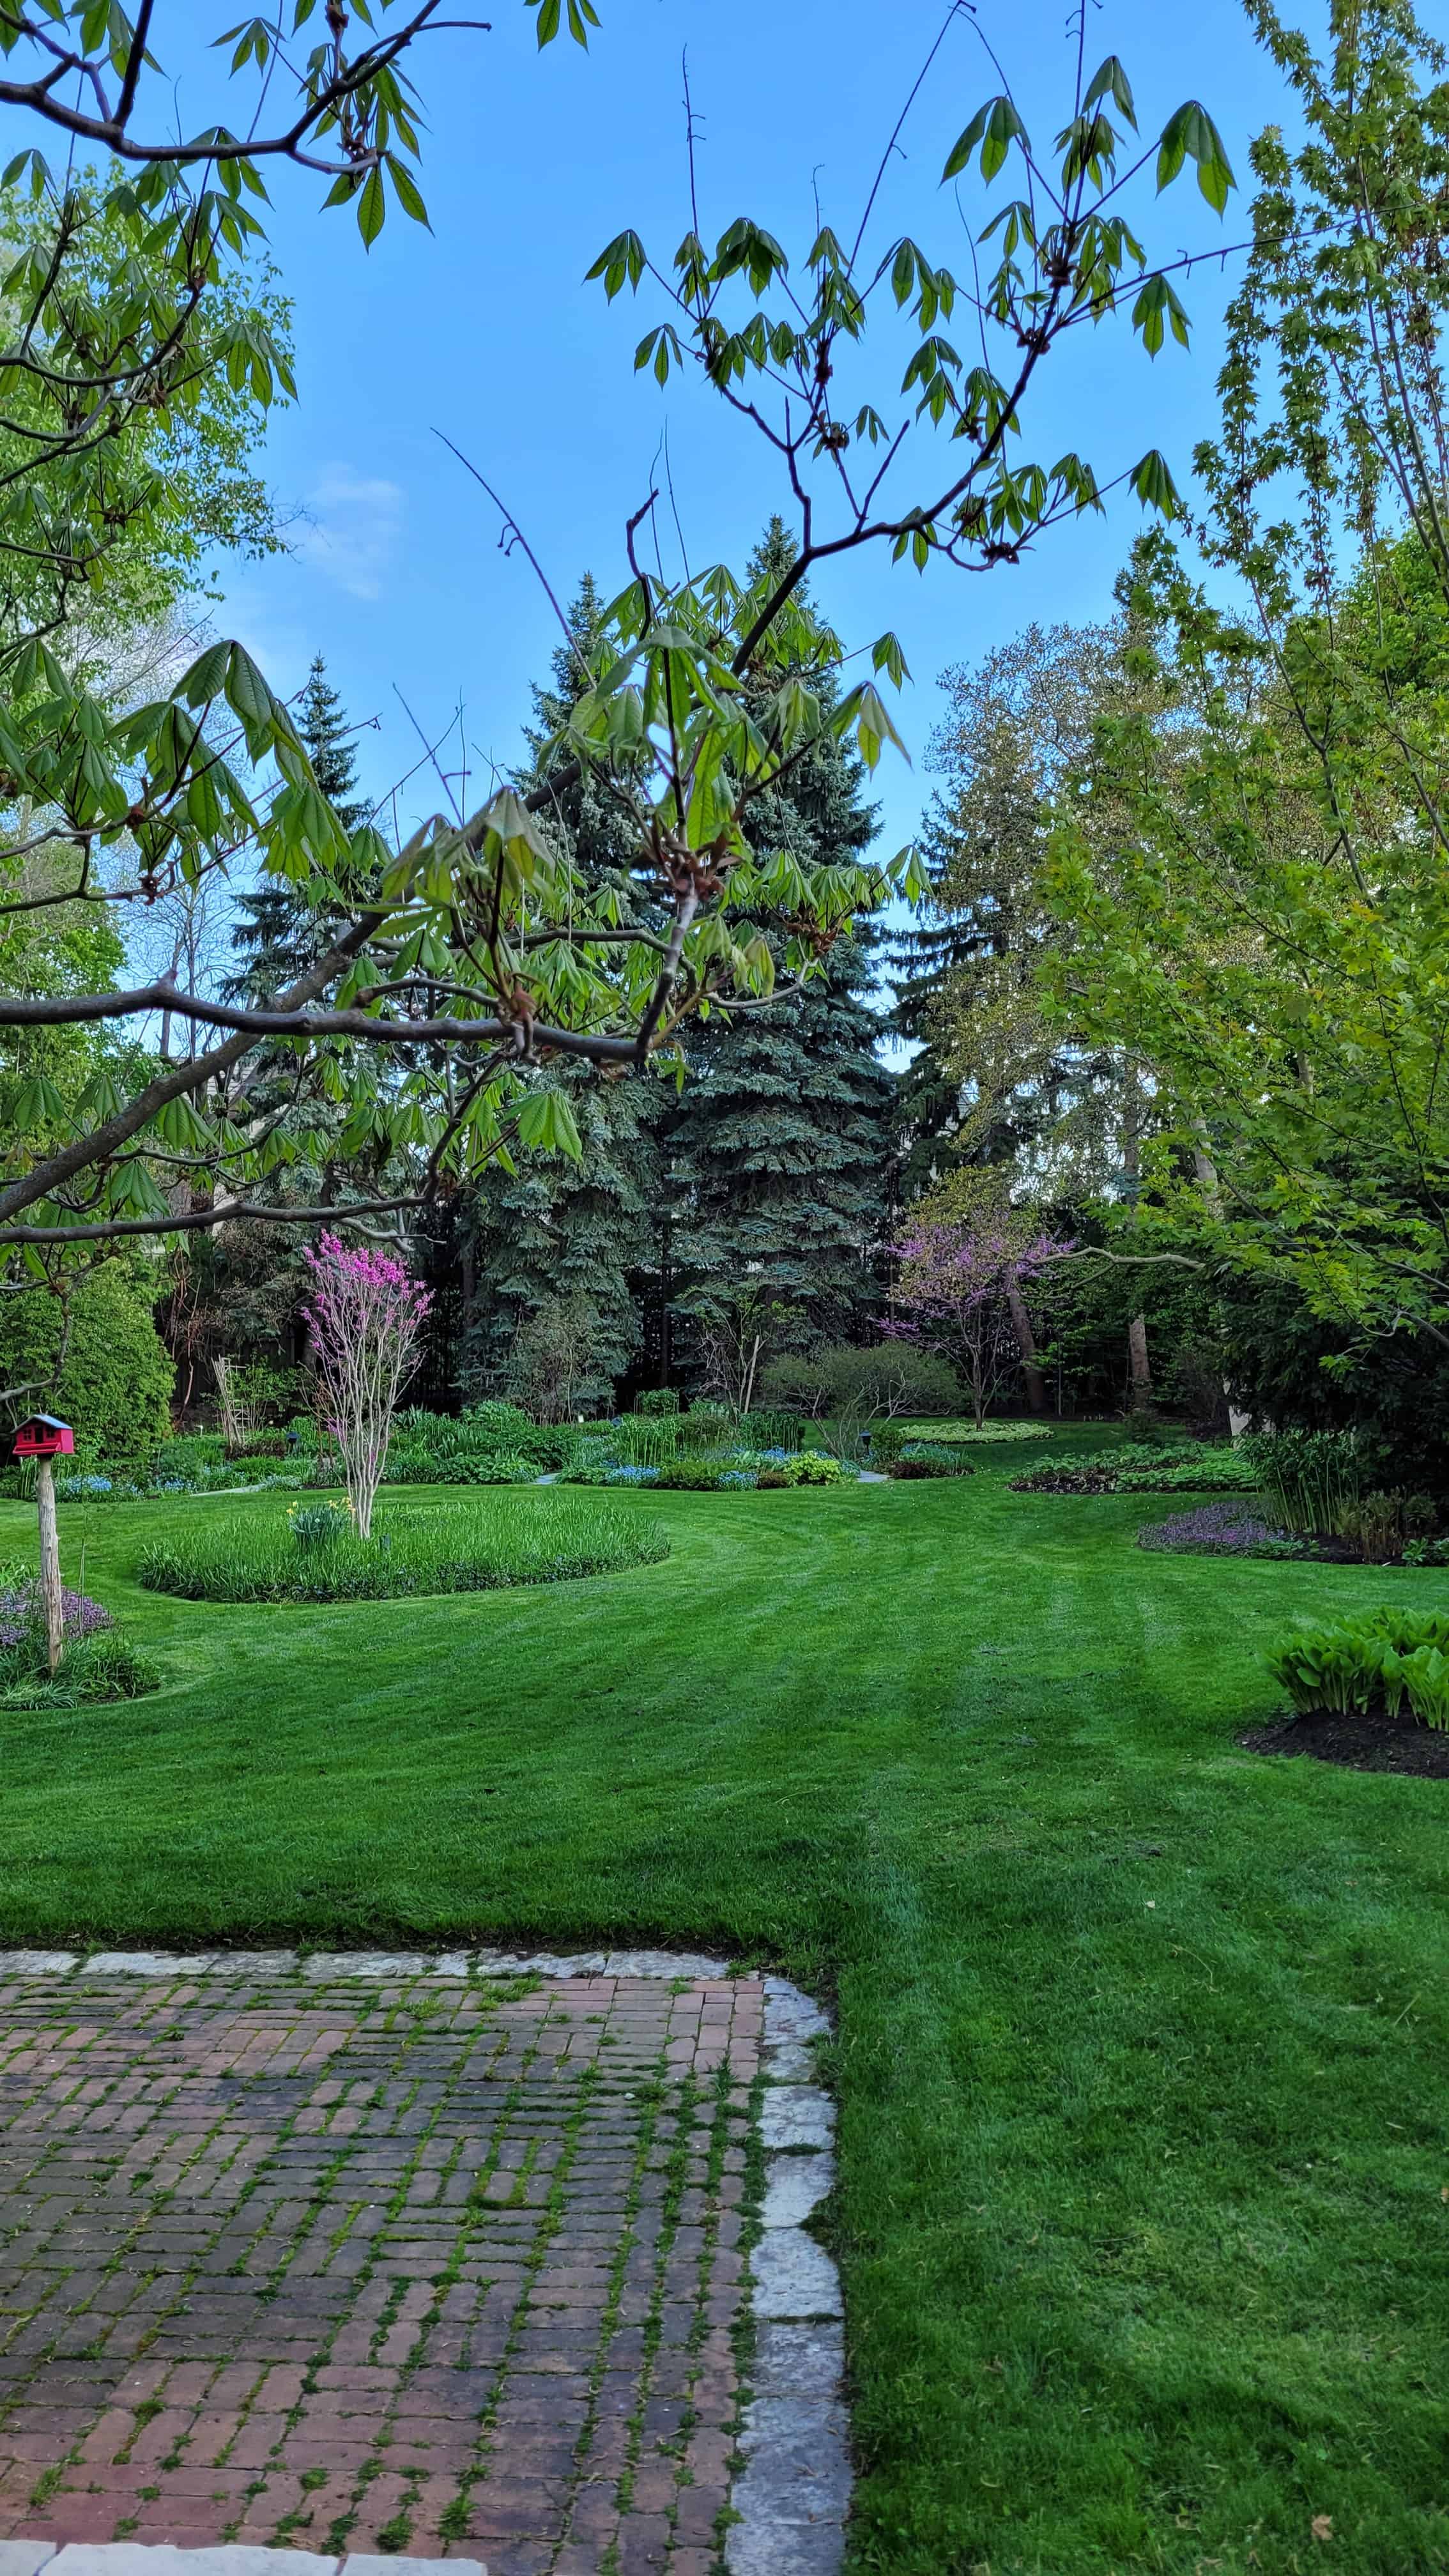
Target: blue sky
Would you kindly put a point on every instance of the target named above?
(484, 328)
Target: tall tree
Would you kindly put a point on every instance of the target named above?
(695, 706)
(1268, 928)
(282, 928)
(779, 1143)
(559, 1227)
(999, 1080)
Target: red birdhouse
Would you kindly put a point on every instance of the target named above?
(43, 1437)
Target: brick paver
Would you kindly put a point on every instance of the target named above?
(418, 2265)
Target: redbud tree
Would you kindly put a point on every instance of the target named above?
(366, 1316)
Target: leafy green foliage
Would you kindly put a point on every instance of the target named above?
(1387, 1660)
(458, 1548)
(101, 1668)
(1148, 1467)
(875, 1380)
(919, 1460)
(95, 1358)
(1249, 873)
(1311, 1479)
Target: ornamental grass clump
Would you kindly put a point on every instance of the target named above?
(1312, 1480)
(463, 1547)
(1374, 1666)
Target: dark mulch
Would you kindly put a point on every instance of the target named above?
(1358, 1743)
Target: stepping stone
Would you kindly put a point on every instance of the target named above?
(795, 2188)
(794, 2277)
(154, 1963)
(797, 2115)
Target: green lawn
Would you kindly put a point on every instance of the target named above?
(1142, 2040)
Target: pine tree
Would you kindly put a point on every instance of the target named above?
(780, 1138)
(281, 932)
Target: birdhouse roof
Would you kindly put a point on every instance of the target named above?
(49, 1421)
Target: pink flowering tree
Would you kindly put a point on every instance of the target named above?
(961, 1292)
(366, 1315)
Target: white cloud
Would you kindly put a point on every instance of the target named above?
(351, 529)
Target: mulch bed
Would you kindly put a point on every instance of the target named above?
(1358, 1743)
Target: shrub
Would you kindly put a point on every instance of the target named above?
(114, 1383)
(921, 1458)
(1312, 1479)
(409, 1466)
(866, 1379)
(460, 1548)
(706, 1424)
(187, 1455)
(804, 1467)
(489, 1430)
(689, 1475)
(1382, 1524)
(657, 1399)
(1370, 1664)
(489, 1420)
(809, 1467)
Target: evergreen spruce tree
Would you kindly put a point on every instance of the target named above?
(781, 1135)
(280, 932)
(769, 1166)
(557, 1228)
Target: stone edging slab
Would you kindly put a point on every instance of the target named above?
(792, 2496)
(157, 2558)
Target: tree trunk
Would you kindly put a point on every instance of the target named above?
(1141, 1365)
(50, 1595)
(1026, 1344)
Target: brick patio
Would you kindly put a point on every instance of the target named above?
(420, 2265)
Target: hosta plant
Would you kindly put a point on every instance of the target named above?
(1379, 1663)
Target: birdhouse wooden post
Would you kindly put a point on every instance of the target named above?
(43, 1438)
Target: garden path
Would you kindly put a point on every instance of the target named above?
(414, 2260)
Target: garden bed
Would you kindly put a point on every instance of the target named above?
(1357, 1742)
(990, 1434)
(98, 1663)
(454, 1549)
(1233, 1529)
(1145, 1467)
